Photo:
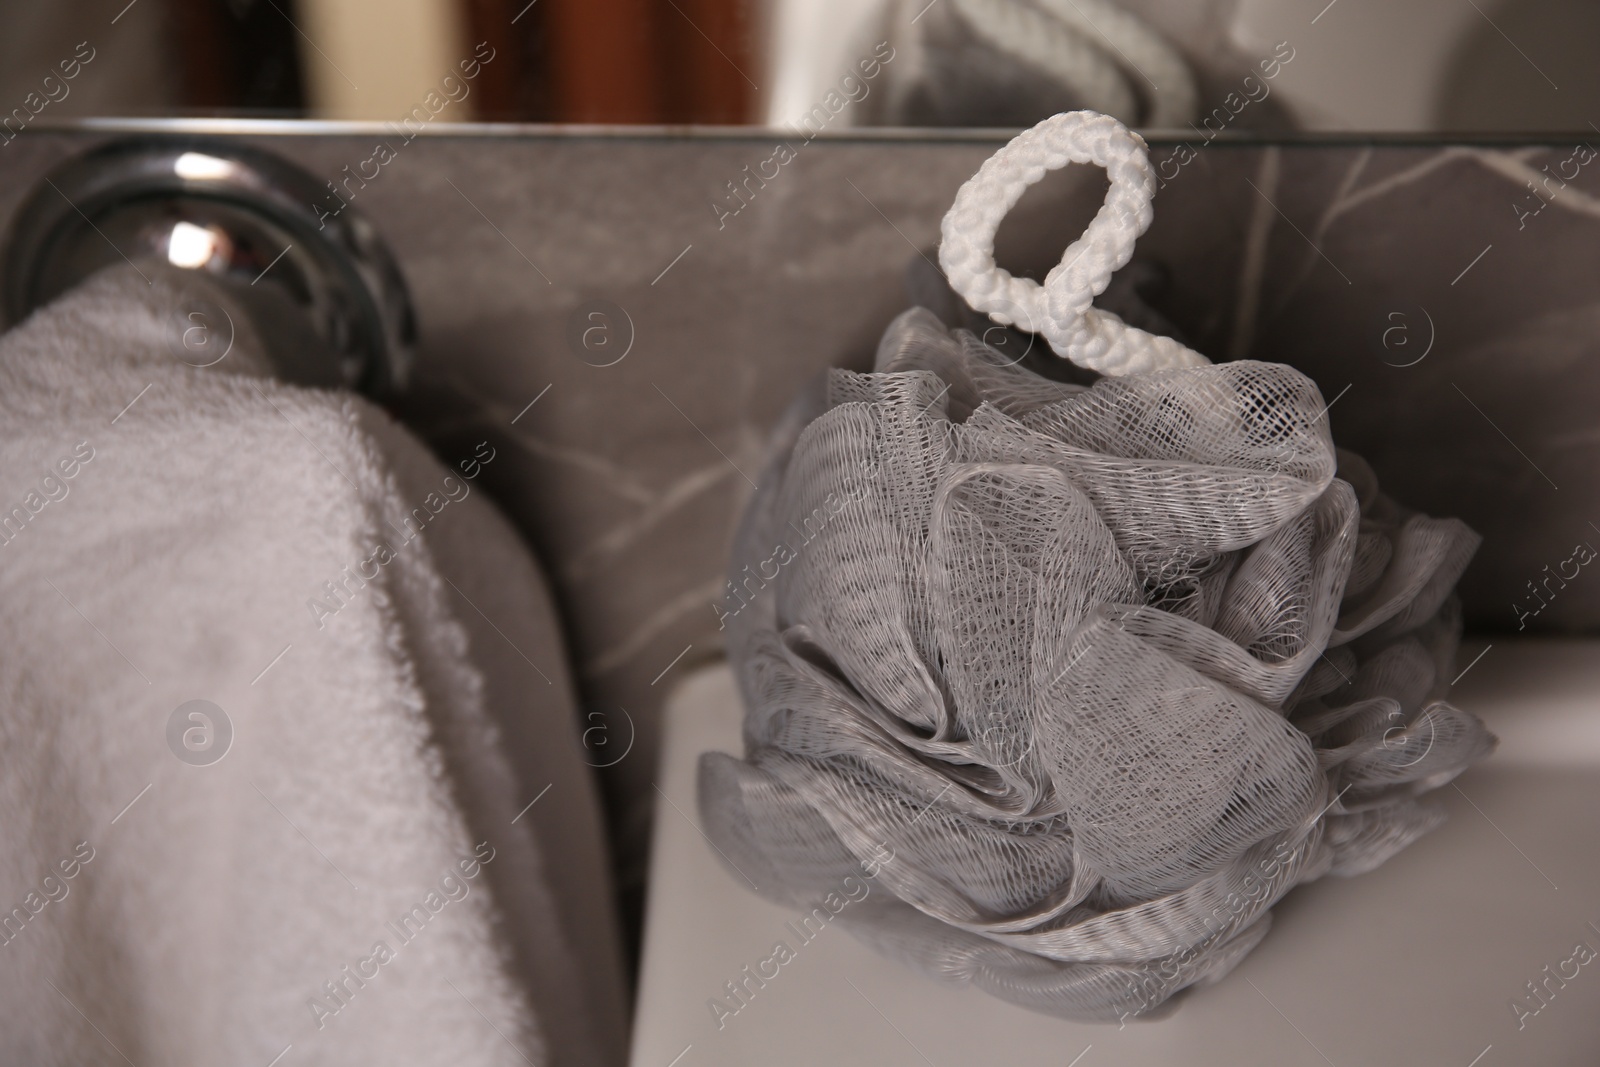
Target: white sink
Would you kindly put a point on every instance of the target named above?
(1417, 963)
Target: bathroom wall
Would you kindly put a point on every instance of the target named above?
(1448, 313)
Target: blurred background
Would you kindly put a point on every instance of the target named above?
(1421, 66)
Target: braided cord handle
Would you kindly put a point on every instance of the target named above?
(1062, 309)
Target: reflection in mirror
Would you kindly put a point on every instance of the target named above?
(1348, 65)
(1206, 66)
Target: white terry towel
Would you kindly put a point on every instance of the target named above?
(351, 882)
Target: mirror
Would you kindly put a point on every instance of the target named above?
(1206, 67)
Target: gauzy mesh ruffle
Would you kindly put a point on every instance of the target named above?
(1085, 677)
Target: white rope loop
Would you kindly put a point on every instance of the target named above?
(1062, 309)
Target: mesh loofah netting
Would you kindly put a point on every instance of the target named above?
(1086, 677)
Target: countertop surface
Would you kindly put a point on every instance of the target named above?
(1416, 963)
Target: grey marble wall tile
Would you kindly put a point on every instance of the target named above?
(628, 478)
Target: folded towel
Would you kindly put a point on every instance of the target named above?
(277, 692)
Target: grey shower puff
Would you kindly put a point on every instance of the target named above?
(1086, 677)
